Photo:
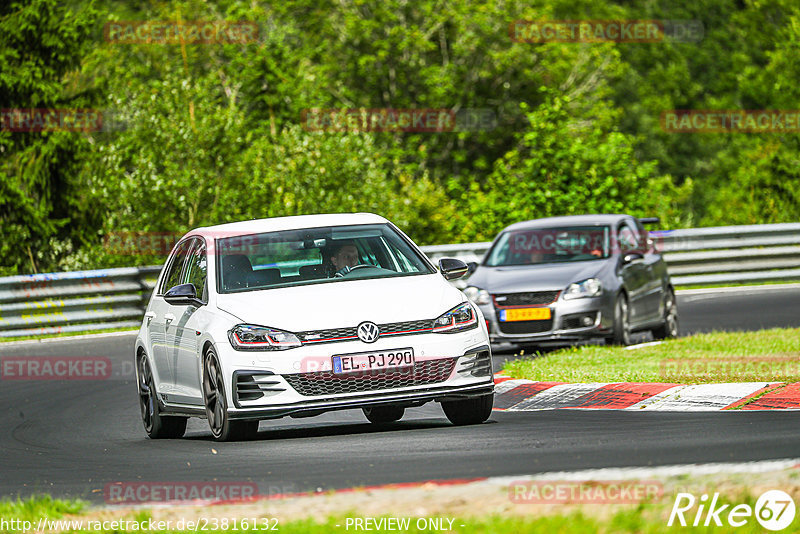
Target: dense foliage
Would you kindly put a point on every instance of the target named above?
(199, 134)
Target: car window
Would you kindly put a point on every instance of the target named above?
(196, 269)
(315, 255)
(644, 235)
(550, 245)
(175, 266)
(628, 238)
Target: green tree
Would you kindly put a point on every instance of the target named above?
(570, 161)
(41, 209)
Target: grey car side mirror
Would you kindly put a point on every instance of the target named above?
(631, 257)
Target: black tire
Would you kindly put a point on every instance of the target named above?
(669, 329)
(156, 425)
(383, 414)
(622, 323)
(469, 411)
(222, 428)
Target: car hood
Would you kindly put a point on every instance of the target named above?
(550, 276)
(344, 304)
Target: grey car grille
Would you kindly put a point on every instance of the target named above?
(525, 327)
(327, 383)
(534, 298)
(349, 334)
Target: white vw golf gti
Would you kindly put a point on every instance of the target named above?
(302, 315)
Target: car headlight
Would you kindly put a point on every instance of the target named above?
(460, 318)
(250, 337)
(477, 295)
(588, 288)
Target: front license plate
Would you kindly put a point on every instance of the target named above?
(525, 314)
(370, 361)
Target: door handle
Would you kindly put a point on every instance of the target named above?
(150, 315)
(169, 317)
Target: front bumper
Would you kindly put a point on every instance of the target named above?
(566, 323)
(397, 398)
(300, 383)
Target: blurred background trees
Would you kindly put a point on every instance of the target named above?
(203, 134)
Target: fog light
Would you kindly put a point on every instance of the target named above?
(587, 320)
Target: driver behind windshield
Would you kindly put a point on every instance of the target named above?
(344, 256)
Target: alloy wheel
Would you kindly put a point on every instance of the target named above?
(146, 393)
(214, 395)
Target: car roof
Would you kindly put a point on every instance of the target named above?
(276, 224)
(569, 220)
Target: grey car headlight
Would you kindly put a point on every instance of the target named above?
(252, 337)
(477, 295)
(587, 288)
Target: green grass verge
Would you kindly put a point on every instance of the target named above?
(36, 507)
(641, 518)
(743, 284)
(767, 355)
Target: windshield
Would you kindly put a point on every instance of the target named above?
(550, 245)
(315, 255)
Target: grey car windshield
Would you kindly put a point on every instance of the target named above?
(315, 255)
(550, 245)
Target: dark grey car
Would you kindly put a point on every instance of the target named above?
(572, 278)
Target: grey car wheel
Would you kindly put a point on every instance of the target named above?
(669, 329)
(622, 324)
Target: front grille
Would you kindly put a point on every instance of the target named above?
(326, 383)
(534, 298)
(525, 327)
(348, 334)
(332, 334)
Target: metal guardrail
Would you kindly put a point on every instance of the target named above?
(116, 298)
(74, 301)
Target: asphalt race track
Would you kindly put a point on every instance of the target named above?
(71, 438)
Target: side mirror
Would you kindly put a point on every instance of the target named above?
(452, 268)
(472, 266)
(183, 295)
(631, 257)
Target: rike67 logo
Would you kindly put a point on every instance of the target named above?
(774, 510)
